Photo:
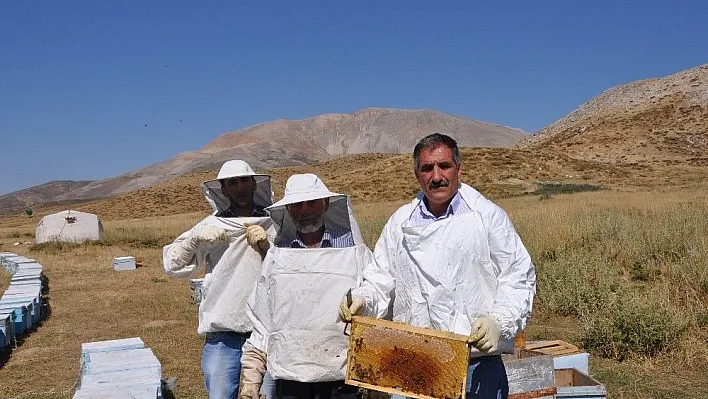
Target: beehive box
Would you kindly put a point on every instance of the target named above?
(124, 263)
(530, 375)
(195, 288)
(574, 384)
(405, 360)
(565, 355)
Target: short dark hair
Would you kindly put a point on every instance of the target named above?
(435, 140)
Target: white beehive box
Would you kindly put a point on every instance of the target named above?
(124, 263)
(565, 355)
(195, 288)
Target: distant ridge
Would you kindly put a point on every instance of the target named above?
(299, 142)
(23, 199)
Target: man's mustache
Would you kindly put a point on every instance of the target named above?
(437, 184)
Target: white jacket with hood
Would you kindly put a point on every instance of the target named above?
(455, 270)
(294, 307)
(231, 268)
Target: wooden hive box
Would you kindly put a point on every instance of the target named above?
(412, 361)
(565, 355)
(574, 384)
(530, 375)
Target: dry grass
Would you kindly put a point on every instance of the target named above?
(623, 275)
(607, 261)
(570, 237)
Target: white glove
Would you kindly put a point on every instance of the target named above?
(257, 238)
(485, 334)
(197, 236)
(208, 233)
(347, 310)
(253, 366)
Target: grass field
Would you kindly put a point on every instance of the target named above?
(621, 274)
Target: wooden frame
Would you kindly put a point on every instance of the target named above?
(404, 360)
(553, 348)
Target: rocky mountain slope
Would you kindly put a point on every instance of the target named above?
(653, 122)
(300, 142)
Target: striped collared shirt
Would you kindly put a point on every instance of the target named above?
(421, 216)
(330, 239)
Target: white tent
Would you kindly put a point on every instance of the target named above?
(69, 226)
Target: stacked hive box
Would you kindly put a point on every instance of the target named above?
(21, 305)
(571, 366)
(117, 369)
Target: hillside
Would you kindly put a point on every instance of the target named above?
(654, 122)
(23, 199)
(375, 178)
(301, 142)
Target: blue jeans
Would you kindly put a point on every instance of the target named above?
(221, 363)
(486, 379)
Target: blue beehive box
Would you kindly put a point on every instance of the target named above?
(127, 359)
(121, 368)
(20, 318)
(195, 288)
(32, 303)
(6, 328)
(111, 345)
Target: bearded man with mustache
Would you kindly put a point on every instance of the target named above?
(319, 263)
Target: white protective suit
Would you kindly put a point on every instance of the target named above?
(231, 268)
(294, 307)
(455, 270)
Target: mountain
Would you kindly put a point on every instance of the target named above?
(651, 123)
(23, 199)
(301, 142)
(368, 178)
(646, 134)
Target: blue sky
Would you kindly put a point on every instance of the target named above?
(94, 89)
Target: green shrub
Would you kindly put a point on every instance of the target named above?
(572, 285)
(629, 329)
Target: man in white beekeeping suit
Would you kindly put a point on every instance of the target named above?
(318, 274)
(231, 245)
(459, 265)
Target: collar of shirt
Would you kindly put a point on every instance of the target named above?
(421, 216)
(258, 211)
(330, 239)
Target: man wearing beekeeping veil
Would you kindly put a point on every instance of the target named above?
(459, 265)
(231, 244)
(317, 276)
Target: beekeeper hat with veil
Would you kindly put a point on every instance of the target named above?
(307, 187)
(219, 202)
